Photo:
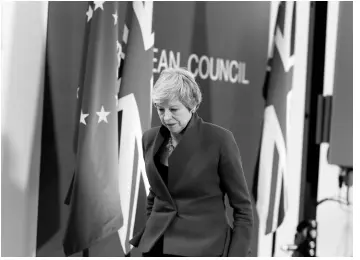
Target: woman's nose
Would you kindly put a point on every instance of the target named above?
(167, 115)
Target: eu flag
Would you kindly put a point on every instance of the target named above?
(95, 206)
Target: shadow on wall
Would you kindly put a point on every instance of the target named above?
(49, 208)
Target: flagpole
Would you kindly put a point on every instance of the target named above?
(273, 244)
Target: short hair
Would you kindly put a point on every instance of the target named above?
(177, 83)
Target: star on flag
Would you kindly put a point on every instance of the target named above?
(89, 13)
(115, 15)
(82, 117)
(102, 115)
(126, 33)
(99, 4)
(119, 52)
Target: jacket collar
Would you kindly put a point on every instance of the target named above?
(164, 133)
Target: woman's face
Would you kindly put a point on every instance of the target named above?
(173, 115)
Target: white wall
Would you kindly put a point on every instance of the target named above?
(286, 232)
(23, 46)
(335, 221)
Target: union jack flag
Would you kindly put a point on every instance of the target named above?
(134, 116)
(271, 190)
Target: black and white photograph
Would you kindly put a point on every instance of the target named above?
(177, 129)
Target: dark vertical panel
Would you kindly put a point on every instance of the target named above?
(341, 131)
(314, 87)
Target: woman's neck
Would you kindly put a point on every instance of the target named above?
(176, 137)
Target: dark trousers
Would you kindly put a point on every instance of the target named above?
(157, 250)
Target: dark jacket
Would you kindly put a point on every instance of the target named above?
(190, 211)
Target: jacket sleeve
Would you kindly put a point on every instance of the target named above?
(233, 181)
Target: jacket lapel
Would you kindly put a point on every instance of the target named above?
(184, 151)
(163, 189)
(188, 146)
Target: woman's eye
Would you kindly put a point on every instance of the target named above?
(174, 109)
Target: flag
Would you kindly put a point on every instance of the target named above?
(272, 173)
(94, 198)
(134, 112)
